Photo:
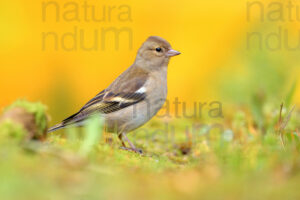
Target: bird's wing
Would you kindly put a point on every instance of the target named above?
(112, 99)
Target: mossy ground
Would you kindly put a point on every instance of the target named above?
(240, 162)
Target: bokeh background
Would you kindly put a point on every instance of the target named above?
(215, 64)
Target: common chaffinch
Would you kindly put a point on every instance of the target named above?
(134, 97)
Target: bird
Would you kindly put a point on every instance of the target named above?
(134, 97)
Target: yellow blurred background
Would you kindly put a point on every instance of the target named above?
(209, 34)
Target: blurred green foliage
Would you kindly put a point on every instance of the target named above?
(37, 109)
(240, 164)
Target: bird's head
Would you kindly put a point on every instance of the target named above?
(155, 52)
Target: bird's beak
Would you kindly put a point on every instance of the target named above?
(172, 52)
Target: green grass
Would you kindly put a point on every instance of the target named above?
(240, 162)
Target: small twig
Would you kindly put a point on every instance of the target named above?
(280, 114)
(282, 142)
(287, 119)
(279, 126)
(282, 123)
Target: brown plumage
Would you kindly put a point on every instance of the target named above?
(135, 96)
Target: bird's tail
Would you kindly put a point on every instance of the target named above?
(70, 121)
(56, 127)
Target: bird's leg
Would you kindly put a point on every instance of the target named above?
(128, 141)
(132, 147)
(120, 136)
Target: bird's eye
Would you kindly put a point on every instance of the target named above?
(158, 49)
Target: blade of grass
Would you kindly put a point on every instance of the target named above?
(92, 133)
(287, 119)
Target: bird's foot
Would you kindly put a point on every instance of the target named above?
(136, 150)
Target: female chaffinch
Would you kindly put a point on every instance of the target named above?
(134, 97)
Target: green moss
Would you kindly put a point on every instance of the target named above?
(37, 109)
(9, 129)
